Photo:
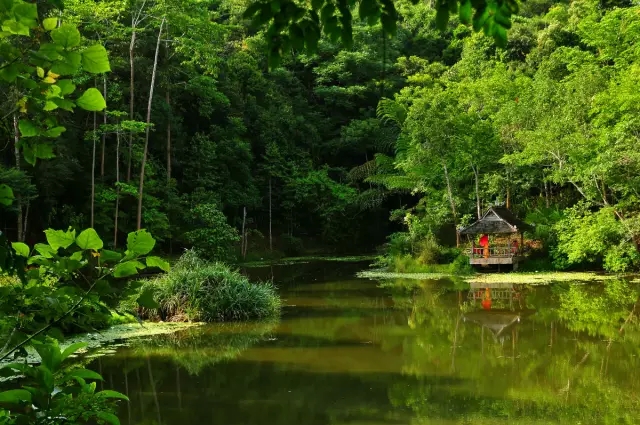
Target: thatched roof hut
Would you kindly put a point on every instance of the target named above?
(497, 220)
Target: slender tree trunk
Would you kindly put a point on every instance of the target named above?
(244, 220)
(115, 218)
(452, 203)
(131, 95)
(26, 220)
(16, 140)
(169, 138)
(508, 191)
(476, 171)
(146, 136)
(546, 193)
(104, 121)
(270, 217)
(93, 169)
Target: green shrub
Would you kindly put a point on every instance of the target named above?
(198, 290)
(460, 265)
(428, 250)
(399, 244)
(212, 237)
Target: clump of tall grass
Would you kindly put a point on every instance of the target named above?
(197, 290)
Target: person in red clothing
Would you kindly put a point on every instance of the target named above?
(484, 243)
(514, 247)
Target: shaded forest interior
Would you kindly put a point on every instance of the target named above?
(335, 151)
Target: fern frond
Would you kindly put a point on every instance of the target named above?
(361, 172)
(391, 111)
(372, 198)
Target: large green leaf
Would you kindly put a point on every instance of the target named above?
(26, 12)
(66, 87)
(50, 23)
(9, 72)
(15, 396)
(107, 256)
(95, 59)
(68, 65)
(112, 394)
(59, 238)
(44, 250)
(27, 128)
(6, 195)
(158, 262)
(128, 268)
(66, 35)
(72, 349)
(89, 239)
(54, 132)
(108, 417)
(140, 242)
(146, 299)
(6, 6)
(91, 100)
(15, 28)
(21, 248)
(85, 374)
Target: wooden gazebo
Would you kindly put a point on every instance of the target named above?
(506, 230)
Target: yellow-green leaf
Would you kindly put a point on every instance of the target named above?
(21, 248)
(91, 100)
(95, 59)
(89, 239)
(50, 23)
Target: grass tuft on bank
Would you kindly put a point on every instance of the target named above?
(197, 290)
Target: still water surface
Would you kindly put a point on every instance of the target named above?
(360, 352)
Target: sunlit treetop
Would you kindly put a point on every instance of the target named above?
(298, 24)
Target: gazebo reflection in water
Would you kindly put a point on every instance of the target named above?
(499, 308)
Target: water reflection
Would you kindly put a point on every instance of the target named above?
(434, 353)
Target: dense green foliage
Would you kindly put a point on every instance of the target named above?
(199, 141)
(55, 393)
(70, 283)
(198, 290)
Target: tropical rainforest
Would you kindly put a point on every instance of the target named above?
(205, 144)
(237, 130)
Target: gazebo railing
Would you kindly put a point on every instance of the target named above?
(501, 251)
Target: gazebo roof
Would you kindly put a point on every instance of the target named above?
(496, 220)
(497, 321)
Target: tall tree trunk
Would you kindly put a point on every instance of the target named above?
(26, 220)
(270, 217)
(131, 93)
(146, 135)
(476, 172)
(168, 137)
(115, 218)
(546, 193)
(452, 203)
(104, 121)
(244, 220)
(16, 150)
(93, 169)
(508, 191)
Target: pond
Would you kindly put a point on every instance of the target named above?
(357, 351)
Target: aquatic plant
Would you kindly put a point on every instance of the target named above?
(516, 278)
(197, 290)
